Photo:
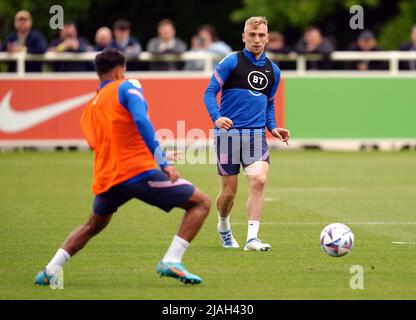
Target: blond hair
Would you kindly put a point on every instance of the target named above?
(255, 21)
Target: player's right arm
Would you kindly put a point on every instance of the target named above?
(220, 75)
(132, 98)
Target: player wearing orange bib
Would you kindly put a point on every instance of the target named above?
(127, 153)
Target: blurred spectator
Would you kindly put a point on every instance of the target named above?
(314, 43)
(25, 39)
(409, 46)
(126, 43)
(103, 38)
(366, 42)
(166, 43)
(123, 40)
(207, 40)
(277, 45)
(69, 41)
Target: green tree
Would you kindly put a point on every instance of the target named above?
(294, 13)
(397, 30)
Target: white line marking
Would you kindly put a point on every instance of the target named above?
(311, 189)
(345, 222)
(400, 242)
(270, 199)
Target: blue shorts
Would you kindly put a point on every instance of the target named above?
(236, 147)
(156, 190)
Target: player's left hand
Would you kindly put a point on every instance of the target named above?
(172, 172)
(281, 134)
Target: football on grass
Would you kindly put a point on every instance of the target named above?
(337, 240)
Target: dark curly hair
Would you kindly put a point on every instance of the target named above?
(108, 60)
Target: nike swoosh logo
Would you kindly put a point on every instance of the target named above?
(12, 121)
(177, 272)
(267, 71)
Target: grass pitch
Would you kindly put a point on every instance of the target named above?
(44, 196)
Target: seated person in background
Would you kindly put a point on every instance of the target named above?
(166, 43)
(25, 39)
(409, 46)
(69, 41)
(277, 45)
(211, 42)
(126, 43)
(103, 39)
(206, 40)
(366, 42)
(314, 43)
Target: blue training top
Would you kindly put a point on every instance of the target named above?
(245, 107)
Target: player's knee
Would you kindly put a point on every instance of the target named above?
(206, 203)
(259, 183)
(201, 201)
(228, 195)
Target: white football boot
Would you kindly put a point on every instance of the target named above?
(256, 245)
(227, 239)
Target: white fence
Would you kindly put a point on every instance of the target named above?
(209, 59)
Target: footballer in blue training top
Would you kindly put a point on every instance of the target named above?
(248, 81)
